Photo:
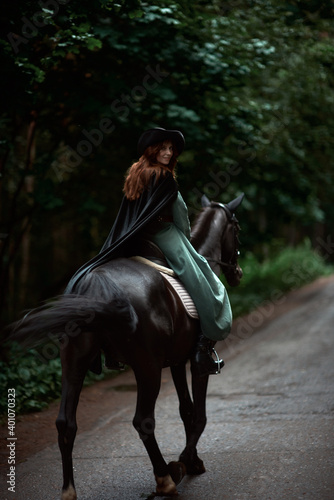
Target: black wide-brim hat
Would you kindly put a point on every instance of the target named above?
(155, 135)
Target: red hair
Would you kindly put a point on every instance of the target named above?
(140, 173)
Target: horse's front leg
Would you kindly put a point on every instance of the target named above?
(148, 387)
(189, 457)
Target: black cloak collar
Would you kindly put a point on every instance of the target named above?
(131, 218)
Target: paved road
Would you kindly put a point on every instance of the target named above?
(270, 432)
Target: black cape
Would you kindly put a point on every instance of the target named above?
(131, 219)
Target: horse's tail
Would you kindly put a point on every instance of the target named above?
(69, 315)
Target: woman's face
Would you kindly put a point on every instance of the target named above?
(165, 154)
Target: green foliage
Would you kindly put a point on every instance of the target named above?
(250, 83)
(35, 381)
(289, 269)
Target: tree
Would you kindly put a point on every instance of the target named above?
(249, 82)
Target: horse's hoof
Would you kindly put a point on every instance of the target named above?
(165, 486)
(69, 494)
(194, 467)
(177, 471)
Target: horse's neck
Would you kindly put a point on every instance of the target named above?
(207, 233)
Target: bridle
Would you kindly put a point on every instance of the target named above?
(232, 264)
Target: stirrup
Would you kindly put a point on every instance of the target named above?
(204, 364)
(219, 363)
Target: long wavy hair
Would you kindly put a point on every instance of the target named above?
(139, 174)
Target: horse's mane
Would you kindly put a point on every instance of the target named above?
(199, 227)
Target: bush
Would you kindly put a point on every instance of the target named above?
(288, 269)
(36, 383)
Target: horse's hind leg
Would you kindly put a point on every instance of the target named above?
(74, 371)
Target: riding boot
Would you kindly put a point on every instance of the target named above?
(204, 363)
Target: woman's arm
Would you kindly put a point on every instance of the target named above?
(180, 215)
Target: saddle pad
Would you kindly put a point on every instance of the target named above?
(187, 301)
(170, 276)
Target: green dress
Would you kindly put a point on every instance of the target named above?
(204, 287)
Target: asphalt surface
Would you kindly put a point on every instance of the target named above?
(270, 431)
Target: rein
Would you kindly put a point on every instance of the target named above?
(228, 265)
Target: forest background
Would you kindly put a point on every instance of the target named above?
(249, 82)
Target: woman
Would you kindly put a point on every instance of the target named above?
(152, 205)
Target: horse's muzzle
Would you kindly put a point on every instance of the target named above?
(234, 278)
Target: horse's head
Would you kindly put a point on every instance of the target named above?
(229, 244)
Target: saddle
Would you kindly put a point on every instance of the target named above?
(149, 250)
(151, 255)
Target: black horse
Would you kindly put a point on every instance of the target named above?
(128, 310)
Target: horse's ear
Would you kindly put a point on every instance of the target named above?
(205, 201)
(233, 205)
